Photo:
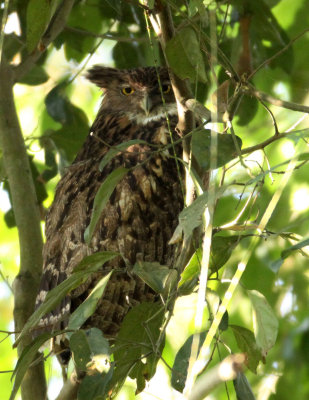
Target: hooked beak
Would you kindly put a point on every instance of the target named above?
(146, 104)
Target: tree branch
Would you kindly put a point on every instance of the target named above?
(56, 26)
(27, 218)
(107, 36)
(225, 371)
(275, 102)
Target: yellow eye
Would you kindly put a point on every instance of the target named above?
(166, 89)
(127, 90)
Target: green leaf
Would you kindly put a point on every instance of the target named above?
(296, 247)
(97, 342)
(246, 342)
(81, 273)
(101, 199)
(80, 348)
(185, 57)
(95, 387)
(242, 388)
(265, 322)
(118, 149)
(26, 358)
(226, 150)
(191, 217)
(36, 76)
(221, 250)
(181, 363)
(125, 55)
(190, 274)
(88, 306)
(12, 44)
(247, 110)
(38, 16)
(134, 354)
(275, 265)
(61, 109)
(158, 277)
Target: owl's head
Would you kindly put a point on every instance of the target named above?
(135, 93)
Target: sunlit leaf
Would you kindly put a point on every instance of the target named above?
(134, 354)
(80, 349)
(181, 364)
(246, 342)
(265, 322)
(88, 306)
(38, 16)
(95, 387)
(157, 276)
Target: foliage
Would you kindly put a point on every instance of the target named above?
(240, 57)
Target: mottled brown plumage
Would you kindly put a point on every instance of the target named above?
(142, 212)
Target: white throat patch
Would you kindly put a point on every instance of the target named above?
(143, 119)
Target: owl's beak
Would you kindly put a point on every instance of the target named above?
(146, 104)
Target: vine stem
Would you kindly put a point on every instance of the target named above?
(203, 356)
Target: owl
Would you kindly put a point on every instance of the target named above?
(142, 212)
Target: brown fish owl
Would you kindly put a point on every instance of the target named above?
(142, 212)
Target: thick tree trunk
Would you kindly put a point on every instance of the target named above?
(27, 218)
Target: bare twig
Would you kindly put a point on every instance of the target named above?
(56, 25)
(269, 60)
(107, 36)
(275, 102)
(262, 145)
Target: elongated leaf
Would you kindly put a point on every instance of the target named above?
(26, 359)
(117, 149)
(275, 265)
(181, 363)
(102, 198)
(38, 16)
(155, 275)
(265, 322)
(246, 342)
(190, 274)
(191, 217)
(89, 265)
(184, 55)
(296, 247)
(242, 387)
(87, 308)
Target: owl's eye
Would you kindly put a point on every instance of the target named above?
(127, 90)
(166, 88)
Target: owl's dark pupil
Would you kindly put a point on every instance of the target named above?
(127, 90)
(166, 88)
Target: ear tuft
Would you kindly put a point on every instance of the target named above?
(102, 76)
